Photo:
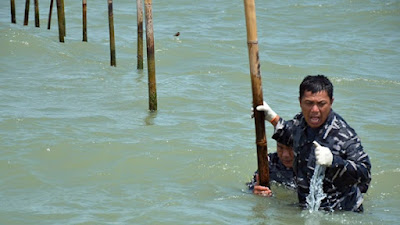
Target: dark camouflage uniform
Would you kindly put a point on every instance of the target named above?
(348, 176)
(277, 173)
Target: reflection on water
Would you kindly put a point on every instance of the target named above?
(149, 120)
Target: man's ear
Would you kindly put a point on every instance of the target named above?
(332, 100)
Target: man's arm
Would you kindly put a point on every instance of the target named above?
(355, 168)
(349, 166)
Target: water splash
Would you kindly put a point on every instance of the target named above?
(316, 191)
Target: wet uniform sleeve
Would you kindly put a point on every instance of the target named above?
(351, 165)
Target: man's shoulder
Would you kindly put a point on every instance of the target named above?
(298, 118)
(336, 122)
(337, 128)
(290, 124)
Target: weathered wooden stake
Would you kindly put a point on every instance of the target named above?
(84, 20)
(256, 84)
(151, 67)
(26, 18)
(111, 28)
(61, 28)
(50, 11)
(37, 19)
(139, 8)
(13, 11)
(63, 17)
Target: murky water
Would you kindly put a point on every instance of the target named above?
(79, 146)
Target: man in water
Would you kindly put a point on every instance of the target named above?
(280, 166)
(338, 148)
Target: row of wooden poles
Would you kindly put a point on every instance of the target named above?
(252, 43)
(149, 35)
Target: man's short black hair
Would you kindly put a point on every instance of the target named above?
(315, 84)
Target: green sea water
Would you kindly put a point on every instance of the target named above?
(79, 146)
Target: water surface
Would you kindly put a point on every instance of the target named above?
(79, 145)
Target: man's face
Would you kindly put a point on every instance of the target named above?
(285, 154)
(315, 107)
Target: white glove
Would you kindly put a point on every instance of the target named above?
(323, 155)
(269, 113)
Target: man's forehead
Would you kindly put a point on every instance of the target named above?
(316, 95)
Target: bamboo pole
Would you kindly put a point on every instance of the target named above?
(12, 2)
(84, 20)
(151, 67)
(139, 8)
(61, 27)
(26, 18)
(50, 12)
(63, 17)
(111, 29)
(37, 18)
(256, 84)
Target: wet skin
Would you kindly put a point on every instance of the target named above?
(315, 107)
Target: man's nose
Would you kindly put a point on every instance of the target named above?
(315, 108)
(285, 153)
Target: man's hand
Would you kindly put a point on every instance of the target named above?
(270, 115)
(261, 190)
(323, 155)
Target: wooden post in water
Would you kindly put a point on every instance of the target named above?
(50, 11)
(63, 17)
(84, 20)
(12, 2)
(37, 19)
(256, 84)
(111, 28)
(61, 27)
(26, 18)
(151, 66)
(139, 8)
